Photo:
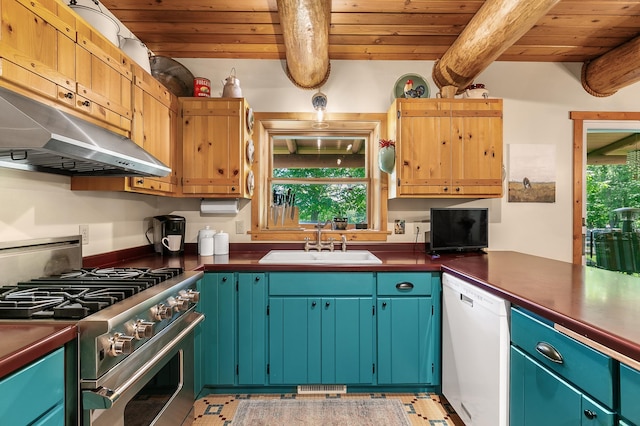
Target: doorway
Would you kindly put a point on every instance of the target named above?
(582, 121)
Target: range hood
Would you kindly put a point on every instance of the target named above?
(37, 137)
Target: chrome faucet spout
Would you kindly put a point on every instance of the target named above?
(318, 244)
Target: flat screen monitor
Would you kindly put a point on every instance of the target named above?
(457, 229)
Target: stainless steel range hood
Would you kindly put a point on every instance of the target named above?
(37, 137)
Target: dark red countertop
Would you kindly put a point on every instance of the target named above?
(601, 305)
(23, 343)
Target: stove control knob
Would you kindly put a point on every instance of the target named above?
(143, 329)
(192, 295)
(120, 345)
(182, 304)
(163, 312)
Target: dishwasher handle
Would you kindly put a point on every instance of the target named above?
(466, 299)
(549, 352)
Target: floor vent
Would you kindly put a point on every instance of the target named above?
(321, 389)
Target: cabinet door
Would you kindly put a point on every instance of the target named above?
(294, 334)
(19, 406)
(477, 147)
(252, 329)
(347, 340)
(37, 48)
(406, 343)
(154, 110)
(211, 147)
(218, 331)
(104, 79)
(423, 148)
(539, 397)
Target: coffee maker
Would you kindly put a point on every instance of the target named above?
(166, 225)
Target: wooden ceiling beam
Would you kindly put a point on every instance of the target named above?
(612, 71)
(305, 29)
(496, 26)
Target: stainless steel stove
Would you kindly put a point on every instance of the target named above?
(135, 325)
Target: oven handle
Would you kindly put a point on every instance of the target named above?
(103, 398)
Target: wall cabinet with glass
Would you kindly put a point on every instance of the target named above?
(446, 148)
(216, 147)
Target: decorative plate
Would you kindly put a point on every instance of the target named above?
(250, 120)
(250, 183)
(250, 151)
(411, 86)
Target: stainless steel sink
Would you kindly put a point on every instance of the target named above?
(301, 257)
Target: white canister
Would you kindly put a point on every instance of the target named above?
(205, 241)
(221, 242)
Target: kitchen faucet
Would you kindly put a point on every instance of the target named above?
(318, 244)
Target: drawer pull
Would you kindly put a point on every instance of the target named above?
(404, 286)
(549, 352)
(590, 414)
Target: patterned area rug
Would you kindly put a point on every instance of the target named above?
(419, 409)
(344, 412)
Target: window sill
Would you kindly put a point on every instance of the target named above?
(355, 235)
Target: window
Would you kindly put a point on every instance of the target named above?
(326, 177)
(312, 175)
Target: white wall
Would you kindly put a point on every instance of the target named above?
(537, 100)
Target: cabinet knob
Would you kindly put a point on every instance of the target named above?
(313, 304)
(458, 189)
(224, 279)
(445, 189)
(590, 414)
(86, 103)
(384, 304)
(257, 278)
(327, 304)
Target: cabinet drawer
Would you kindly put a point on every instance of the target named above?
(629, 393)
(321, 284)
(581, 365)
(405, 284)
(45, 377)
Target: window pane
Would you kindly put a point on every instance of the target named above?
(321, 202)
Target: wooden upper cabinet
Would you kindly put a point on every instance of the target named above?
(446, 148)
(37, 48)
(214, 134)
(104, 78)
(154, 129)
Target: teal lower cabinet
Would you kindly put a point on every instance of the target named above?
(629, 395)
(540, 397)
(232, 339)
(35, 395)
(556, 380)
(252, 329)
(321, 328)
(408, 319)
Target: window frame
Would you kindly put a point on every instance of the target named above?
(372, 127)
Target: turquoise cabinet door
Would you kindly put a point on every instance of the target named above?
(347, 340)
(218, 330)
(252, 329)
(407, 345)
(34, 395)
(295, 339)
(540, 397)
(630, 394)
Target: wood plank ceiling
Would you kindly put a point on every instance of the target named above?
(572, 31)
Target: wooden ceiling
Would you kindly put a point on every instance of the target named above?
(572, 31)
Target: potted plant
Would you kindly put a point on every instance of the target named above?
(386, 155)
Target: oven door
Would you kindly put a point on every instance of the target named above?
(152, 386)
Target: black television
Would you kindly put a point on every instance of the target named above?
(459, 229)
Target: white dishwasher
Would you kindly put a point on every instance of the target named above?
(475, 353)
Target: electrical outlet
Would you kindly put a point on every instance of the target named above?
(84, 232)
(239, 226)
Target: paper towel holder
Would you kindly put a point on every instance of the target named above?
(212, 206)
